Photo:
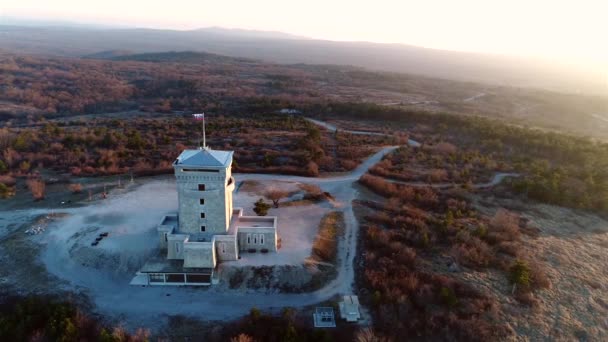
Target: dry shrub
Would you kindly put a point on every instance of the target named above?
(325, 245)
(538, 275)
(312, 169)
(242, 338)
(89, 170)
(504, 226)
(75, 188)
(368, 335)
(438, 175)
(445, 148)
(378, 185)
(510, 248)
(406, 256)
(75, 171)
(473, 253)
(527, 298)
(37, 187)
(348, 164)
(380, 218)
(8, 180)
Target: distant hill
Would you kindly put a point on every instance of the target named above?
(180, 56)
(109, 54)
(168, 56)
(242, 33)
(282, 48)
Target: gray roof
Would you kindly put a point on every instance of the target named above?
(205, 157)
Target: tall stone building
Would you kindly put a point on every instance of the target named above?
(206, 229)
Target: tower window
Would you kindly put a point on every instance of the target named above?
(261, 239)
(202, 215)
(201, 187)
(202, 201)
(248, 239)
(202, 228)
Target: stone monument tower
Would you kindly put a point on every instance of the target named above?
(204, 187)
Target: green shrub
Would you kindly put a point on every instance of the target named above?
(448, 297)
(261, 207)
(519, 274)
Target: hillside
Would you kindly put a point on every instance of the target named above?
(281, 48)
(188, 80)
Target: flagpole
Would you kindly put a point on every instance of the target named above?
(204, 141)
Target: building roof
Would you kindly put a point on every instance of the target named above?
(160, 264)
(205, 157)
(323, 317)
(349, 308)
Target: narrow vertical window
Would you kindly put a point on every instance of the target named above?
(255, 239)
(202, 215)
(261, 239)
(203, 229)
(177, 248)
(202, 201)
(248, 239)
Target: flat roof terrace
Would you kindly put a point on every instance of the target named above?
(160, 264)
(169, 220)
(257, 221)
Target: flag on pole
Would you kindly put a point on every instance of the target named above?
(201, 117)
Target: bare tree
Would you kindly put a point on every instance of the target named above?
(275, 195)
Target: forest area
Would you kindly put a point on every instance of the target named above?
(148, 146)
(557, 168)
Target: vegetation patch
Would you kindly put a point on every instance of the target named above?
(325, 245)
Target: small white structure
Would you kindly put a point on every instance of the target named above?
(289, 111)
(207, 229)
(349, 309)
(324, 317)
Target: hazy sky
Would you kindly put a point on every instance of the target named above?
(548, 28)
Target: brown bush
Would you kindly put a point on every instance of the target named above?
(8, 180)
(445, 148)
(37, 188)
(474, 253)
(538, 275)
(312, 169)
(325, 245)
(75, 188)
(378, 185)
(504, 226)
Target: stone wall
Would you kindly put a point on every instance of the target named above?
(175, 246)
(199, 255)
(257, 238)
(217, 197)
(226, 248)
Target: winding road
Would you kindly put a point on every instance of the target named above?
(137, 306)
